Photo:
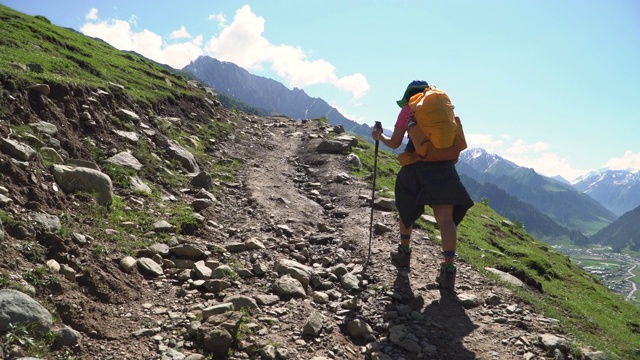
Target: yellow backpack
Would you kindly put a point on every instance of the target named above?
(433, 114)
(434, 130)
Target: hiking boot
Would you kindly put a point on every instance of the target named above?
(401, 257)
(447, 277)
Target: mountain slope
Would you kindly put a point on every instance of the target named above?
(622, 233)
(564, 204)
(617, 190)
(268, 94)
(534, 221)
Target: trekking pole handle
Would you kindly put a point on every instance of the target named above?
(378, 126)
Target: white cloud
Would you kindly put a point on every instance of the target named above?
(540, 146)
(219, 18)
(181, 33)
(628, 161)
(92, 14)
(133, 20)
(243, 43)
(119, 34)
(544, 162)
(356, 84)
(484, 141)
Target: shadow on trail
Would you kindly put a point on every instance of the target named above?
(443, 324)
(453, 325)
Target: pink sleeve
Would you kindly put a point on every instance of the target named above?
(403, 117)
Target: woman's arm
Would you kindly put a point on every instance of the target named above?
(392, 142)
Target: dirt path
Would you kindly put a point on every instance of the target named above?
(294, 204)
(441, 326)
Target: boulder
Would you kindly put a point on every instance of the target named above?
(17, 308)
(71, 179)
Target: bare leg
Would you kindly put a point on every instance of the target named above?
(405, 234)
(402, 256)
(444, 218)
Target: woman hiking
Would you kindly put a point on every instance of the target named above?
(433, 183)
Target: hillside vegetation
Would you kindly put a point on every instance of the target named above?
(59, 56)
(118, 311)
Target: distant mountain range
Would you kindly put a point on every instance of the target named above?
(561, 211)
(617, 190)
(550, 208)
(535, 221)
(564, 204)
(268, 94)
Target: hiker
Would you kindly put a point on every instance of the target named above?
(436, 184)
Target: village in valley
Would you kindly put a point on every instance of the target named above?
(620, 272)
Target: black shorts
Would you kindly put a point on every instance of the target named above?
(430, 183)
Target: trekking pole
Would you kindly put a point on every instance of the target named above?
(378, 125)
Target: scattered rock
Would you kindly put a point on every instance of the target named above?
(71, 179)
(288, 287)
(67, 337)
(17, 150)
(508, 278)
(358, 328)
(149, 267)
(17, 308)
(313, 326)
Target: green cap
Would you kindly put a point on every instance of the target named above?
(415, 84)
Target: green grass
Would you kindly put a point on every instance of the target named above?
(226, 169)
(69, 57)
(39, 277)
(27, 336)
(126, 226)
(387, 165)
(586, 309)
(129, 225)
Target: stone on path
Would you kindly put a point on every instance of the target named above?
(313, 326)
(149, 267)
(288, 287)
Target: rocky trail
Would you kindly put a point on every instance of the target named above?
(276, 271)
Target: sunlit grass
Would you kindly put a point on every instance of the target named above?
(59, 56)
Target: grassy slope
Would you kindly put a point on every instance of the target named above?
(588, 311)
(69, 57)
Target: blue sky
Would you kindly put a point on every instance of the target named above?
(551, 85)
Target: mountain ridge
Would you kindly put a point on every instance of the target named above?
(617, 190)
(564, 204)
(269, 94)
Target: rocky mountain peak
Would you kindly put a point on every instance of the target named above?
(618, 190)
(481, 160)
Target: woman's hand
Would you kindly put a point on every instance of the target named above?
(376, 134)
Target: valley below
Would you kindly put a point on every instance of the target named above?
(620, 272)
